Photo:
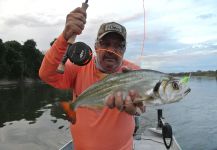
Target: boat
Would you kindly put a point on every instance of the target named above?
(156, 138)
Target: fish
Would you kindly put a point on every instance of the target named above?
(154, 88)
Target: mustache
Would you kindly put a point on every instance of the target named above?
(110, 53)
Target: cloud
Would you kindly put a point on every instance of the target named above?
(181, 59)
(207, 16)
(177, 33)
(131, 18)
(32, 21)
(93, 25)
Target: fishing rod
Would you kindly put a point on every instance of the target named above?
(78, 53)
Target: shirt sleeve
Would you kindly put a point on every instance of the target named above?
(52, 59)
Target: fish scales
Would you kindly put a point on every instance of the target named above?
(106, 85)
(114, 82)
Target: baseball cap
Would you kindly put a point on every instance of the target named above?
(109, 27)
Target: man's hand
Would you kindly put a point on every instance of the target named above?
(127, 105)
(75, 22)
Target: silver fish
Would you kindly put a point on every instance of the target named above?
(154, 88)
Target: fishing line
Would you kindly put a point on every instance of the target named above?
(143, 41)
(109, 50)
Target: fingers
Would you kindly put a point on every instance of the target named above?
(119, 103)
(115, 100)
(110, 101)
(75, 22)
(78, 16)
(141, 107)
(126, 104)
(133, 94)
(79, 10)
(130, 108)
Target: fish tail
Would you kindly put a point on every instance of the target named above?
(70, 113)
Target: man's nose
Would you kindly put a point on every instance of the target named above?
(111, 46)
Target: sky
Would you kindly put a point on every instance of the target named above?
(180, 35)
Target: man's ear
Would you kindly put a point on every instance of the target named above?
(96, 46)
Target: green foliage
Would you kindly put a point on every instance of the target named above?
(197, 73)
(2, 50)
(19, 61)
(2, 61)
(32, 59)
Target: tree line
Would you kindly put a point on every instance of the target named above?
(197, 73)
(19, 61)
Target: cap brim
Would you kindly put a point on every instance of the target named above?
(102, 35)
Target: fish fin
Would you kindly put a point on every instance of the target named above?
(70, 113)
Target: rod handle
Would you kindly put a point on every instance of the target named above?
(71, 40)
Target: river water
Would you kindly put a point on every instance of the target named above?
(30, 119)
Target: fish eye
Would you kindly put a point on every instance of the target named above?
(175, 85)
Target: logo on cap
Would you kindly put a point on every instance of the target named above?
(113, 27)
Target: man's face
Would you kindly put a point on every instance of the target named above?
(110, 50)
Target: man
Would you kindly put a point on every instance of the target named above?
(112, 127)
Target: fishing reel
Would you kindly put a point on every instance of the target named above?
(78, 53)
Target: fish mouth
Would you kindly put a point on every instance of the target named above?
(187, 91)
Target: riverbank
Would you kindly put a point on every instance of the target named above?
(198, 73)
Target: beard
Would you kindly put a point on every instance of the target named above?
(108, 62)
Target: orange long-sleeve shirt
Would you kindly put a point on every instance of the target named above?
(106, 129)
